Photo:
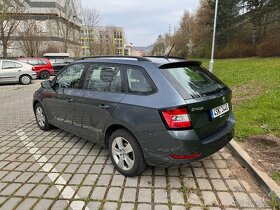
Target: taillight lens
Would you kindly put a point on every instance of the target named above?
(177, 118)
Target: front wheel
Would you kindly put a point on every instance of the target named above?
(25, 79)
(126, 153)
(41, 118)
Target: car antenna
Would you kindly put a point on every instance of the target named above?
(167, 56)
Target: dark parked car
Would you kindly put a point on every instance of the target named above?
(60, 63)
(155, 111)
(42, 66)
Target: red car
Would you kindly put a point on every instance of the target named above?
(42, 66)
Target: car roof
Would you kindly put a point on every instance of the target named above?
(159, 61)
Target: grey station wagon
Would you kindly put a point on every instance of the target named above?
(147, 110)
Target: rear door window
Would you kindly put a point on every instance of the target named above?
(10, 65)
(138, 81)
(192, 81)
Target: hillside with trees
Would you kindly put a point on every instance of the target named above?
(245, 28)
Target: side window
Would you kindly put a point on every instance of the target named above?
(104, 78)
(138, 82)
(10, 65)
(70, 77)
(33, 62)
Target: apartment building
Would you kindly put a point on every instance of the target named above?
(56, 23)
(102, 40)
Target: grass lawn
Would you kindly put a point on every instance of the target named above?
(256, 94)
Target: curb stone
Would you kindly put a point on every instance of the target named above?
(268, 185)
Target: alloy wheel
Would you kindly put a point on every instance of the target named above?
(123, 153)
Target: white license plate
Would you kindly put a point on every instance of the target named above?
(220, 110)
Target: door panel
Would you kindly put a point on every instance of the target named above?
(102, 91)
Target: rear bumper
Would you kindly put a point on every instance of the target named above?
(158, 146)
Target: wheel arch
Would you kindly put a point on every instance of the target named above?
(112, 128)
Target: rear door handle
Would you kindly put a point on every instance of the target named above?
(103, 106)
(70, 100)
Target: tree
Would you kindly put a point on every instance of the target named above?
(90, 17)
(30, 40)
(10, 12)
(67, 29)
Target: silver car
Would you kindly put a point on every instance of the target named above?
(16, 72)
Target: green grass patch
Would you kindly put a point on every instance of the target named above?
(256, 93)
(276, 176)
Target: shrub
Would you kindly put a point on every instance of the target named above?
(269, 48)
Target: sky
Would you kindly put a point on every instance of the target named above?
(143, 20)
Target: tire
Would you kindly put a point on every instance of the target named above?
(41, 118)
(25, 79)
(126, 153)
(45, 75)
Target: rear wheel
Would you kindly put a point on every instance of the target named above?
(25, 79)
(45, 75)
(41, 118)
(126, 154)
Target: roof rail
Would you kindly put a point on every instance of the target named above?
(116, 57)
(174, 57)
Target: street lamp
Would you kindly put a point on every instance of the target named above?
(211, 64)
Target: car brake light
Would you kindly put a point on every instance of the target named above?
(185, 156)
(177, 118)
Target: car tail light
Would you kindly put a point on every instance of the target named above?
(196, 155)
(177, 118)
(33, 69)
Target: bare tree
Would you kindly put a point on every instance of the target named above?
(90, 17)
(10, 12)
(30, 38)
(69, 31)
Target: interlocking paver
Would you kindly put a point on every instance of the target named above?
(11, 203)
(226, 199)
(194, 199)
(24, 189)
(127, 206)
(129, 195)
(160, 196)
(144, 206)
(145, 195)
(98, 193)
(77, 205)
(131, 181)
(234, 185)
(110, 206)
(219, 185)
(204, 184)
(209, 198)
(243, 199)
(43, 204)
(118, 180)
(161, 207)
(10, 189)
(177, 197)
(27, 204)
(114, 193)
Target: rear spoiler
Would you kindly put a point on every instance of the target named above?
(180, 64)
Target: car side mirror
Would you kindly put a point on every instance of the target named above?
(46, 84)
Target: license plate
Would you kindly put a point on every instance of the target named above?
(220, 110)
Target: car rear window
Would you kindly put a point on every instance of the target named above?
(192, 81)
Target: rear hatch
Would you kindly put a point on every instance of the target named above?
(208, 100)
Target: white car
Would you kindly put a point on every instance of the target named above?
(16, 72)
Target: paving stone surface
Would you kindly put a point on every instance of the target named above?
(57, 170)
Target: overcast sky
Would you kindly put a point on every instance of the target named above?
(143, 20)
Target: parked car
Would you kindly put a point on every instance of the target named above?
(60, 63)
(16, 72)
(42, 66)
(147, 111)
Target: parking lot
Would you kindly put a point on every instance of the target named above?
(56, 170)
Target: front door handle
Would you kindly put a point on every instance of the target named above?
(103, 106)
(70, 100)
